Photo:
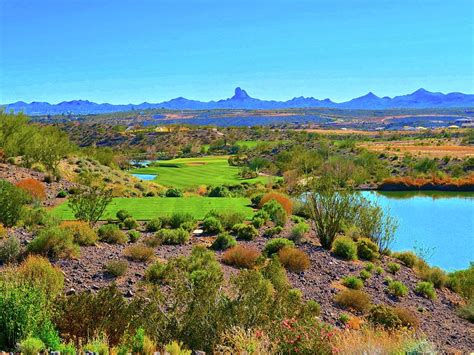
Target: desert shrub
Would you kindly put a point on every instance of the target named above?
(130, 223)
(379, 270)
(35, 217)
(271, 232)
(408, 258)
(155, 273)
(98, 346)
(393, 268)
(174, 192)
(397, 289)
(245, 231)
(154, 225)
(367, 249)
(134, 235)
(353, 282)
(274, 245)
(54, 242)
(212, 225)
(39, 272)
(116, 267)
(177, 348)
(408, 318)
(82, 232)
(365, 275)
(188, 226)
(111, 233)
(462, 282)
(298, 232)
(369, 267)
(262, 214)
(241, 256)
(255, 199)
(467, 311)
(12, 200)
(219, 191)
(172, 236)
(33, 187)
(425, 289)
(62, 194)
(293, 259)
(31, 346)
(3, 231)
(10, 249)
(345, 248)
(432, 274)
(139, 253)
(258, 222)
(122, 215)
(89, 203)
(179, 218)
(344, 318)
(276, 212)
(141, 344)
(297, 219)
(228, 219)
(224, 241)
(283, 200)
(353, 299)
(385, 316)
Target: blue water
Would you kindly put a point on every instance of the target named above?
(439, 222)
(145, 177)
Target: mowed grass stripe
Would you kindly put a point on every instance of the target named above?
(213, 171)
(151, 207)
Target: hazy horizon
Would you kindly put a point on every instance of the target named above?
(154, 51)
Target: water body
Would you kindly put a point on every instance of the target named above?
(441, 222)
(145, 177)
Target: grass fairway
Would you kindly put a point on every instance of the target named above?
(192, 172)
(151, 207)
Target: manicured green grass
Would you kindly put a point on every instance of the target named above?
(192, 172)
(146, 208)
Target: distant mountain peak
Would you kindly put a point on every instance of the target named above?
(240, 94)
(370, 95)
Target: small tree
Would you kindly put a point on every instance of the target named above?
(329, 207)
(12, 200)
(89, 203)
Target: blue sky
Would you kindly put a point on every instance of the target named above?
(133, 51)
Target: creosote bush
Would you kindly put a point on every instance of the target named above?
(397, 289)
(116, 268)
(224, 241)
(82, 232)
(154, 225)
(345, 248)
(172, 236)
(425, 289)
(294, 260)
(241, 256)
(367, 249)
(276, 212)
(393, 268)
(353, 299)
(139, 253)
(245, 231)
(54, 242)
(212, 225)
(111, 233)
(130, 223)
(408, 258)
(353, 282)
(276, 244)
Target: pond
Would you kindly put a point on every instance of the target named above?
(440, 223)
(145, 177)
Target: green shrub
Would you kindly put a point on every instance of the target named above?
(425, 289)
(228, 219)
(82, 232)
(345, 248)
(408, 258)
(365, 275)
(353, 299)
(130, 223)
(367, 249)
(116, 267)
(245, 231)
(219, 191)
(255, 199)
(172, 236)
(262, 214)
(258, 222)
(432, 274)
(344, 318)
(382, 315)
(294, 260)
(98, 346)
(62, 194)
(407, 317)
(276, 212)
(379, 270)
(393, 268)
(224, 241)
(12, 200)
(179, 218)
(39, 272)
(297, 219)
(271, 232)
(34, 217)
(174, 192)
(139, 253)
(155, 273)
(110, 233)
(397, 289)
(353, 282)
(154, 225)
(467, 311)
(10, 249)
(31, 346)
(462, 282)
(54, 242)
(134, 235)
(122, 215)
(212, 225)
(369, 267)
(298, 232)
(274, 245)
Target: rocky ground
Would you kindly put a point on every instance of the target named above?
(438, 319)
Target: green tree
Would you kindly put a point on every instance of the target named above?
(12, 200)
(90, 202)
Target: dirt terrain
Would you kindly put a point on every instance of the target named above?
(422, 148)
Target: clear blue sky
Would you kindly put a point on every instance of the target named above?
(133, 51)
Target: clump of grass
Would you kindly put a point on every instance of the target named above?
(353, 299)
(241, 256)
(345, 248)
(425, 289)
(139, 253)
(353, 282)
(116, 267)
(393, 268)
(397, 289)
(293, 259)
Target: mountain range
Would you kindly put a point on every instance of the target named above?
(421, 98)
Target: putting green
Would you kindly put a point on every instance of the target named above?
(192, 172)
(146, 208)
